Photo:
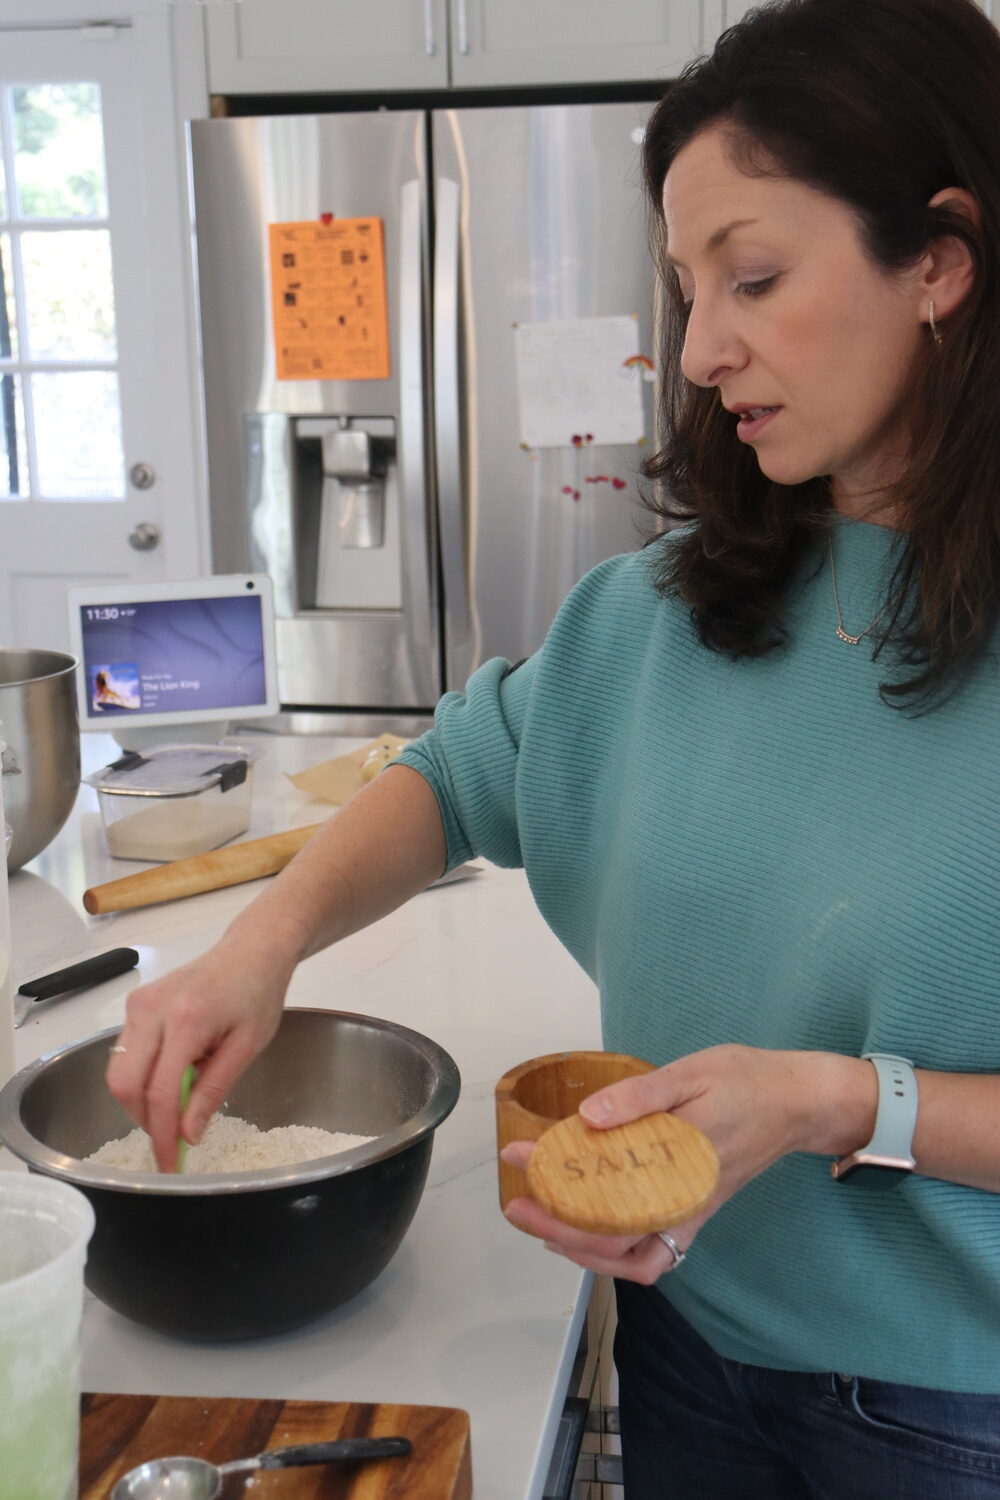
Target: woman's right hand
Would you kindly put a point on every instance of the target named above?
(218, 1012)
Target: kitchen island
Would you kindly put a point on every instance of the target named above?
(470, 1313)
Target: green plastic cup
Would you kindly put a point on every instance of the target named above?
(45, 1227)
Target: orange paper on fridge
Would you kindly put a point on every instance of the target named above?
(328, 299)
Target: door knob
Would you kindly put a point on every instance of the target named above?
(144, 537)
(142, 475)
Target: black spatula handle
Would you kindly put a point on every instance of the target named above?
(78, 976)
(351, 1450)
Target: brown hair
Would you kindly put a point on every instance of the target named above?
(881, 103)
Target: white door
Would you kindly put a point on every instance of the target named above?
(98, 417)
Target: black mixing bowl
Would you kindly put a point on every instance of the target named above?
(244, 1254)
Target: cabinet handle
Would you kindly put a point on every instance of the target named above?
(463, 28)
(429, 46)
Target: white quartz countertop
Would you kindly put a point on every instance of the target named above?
(470, 1313)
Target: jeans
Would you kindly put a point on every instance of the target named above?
(695, 1426)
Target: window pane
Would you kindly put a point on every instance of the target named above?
(59, 151)
(70, 302)
(8, 307)
(13, 449)
(78, 436)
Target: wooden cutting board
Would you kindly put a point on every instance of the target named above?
(119, 1432)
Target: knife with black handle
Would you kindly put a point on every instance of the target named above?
(79, 976)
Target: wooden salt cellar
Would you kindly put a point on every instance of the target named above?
(632, 1179)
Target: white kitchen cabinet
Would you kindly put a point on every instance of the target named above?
(499, 42)
(718, 14)
(336, 46)
(326, 46)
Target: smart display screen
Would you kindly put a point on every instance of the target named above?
(172, 656)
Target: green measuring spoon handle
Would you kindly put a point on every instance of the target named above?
(187, 1083)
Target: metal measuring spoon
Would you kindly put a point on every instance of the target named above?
(196, 1479)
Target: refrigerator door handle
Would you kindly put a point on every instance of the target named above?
(418, 537)
(460, 653)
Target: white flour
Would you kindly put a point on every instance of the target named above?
(232, 1145)
(176, 828)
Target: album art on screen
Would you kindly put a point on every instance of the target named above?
(115, 684)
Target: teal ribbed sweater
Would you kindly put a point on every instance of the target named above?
(765, 853)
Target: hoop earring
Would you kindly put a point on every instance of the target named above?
(935, 335)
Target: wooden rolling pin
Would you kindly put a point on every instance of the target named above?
(204, 872)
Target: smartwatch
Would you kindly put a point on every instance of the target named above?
(888, 1156)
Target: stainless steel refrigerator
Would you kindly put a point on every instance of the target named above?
(419, 521)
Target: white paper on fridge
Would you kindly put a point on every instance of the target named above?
(578, 382)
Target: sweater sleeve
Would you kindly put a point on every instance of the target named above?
(470, 760)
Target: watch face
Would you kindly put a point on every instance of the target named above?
(868, 1174)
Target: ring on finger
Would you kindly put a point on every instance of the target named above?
(117, 1048)
(675, 1250)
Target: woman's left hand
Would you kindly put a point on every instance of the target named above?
(754, 1105)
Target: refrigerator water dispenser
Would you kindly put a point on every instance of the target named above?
(357, 554)
(323, 498)
(353, 488)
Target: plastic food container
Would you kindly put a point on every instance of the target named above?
(175, 801)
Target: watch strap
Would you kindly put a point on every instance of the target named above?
(889, 1153)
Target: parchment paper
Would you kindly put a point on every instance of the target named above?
(337, 780)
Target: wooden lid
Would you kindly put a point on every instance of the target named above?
(632, 1179)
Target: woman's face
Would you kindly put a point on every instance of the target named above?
(788, 313)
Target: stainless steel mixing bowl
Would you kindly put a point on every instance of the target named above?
(41, 762)
(246, 1254)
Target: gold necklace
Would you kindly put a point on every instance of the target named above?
(842, 634)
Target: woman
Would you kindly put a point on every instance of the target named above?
(751, 776)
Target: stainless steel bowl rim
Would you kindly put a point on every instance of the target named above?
(18, 1139)
(69, 664)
